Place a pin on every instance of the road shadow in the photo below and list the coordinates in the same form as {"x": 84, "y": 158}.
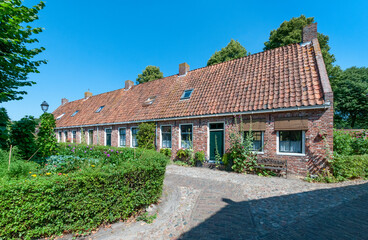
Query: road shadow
{"x": 334, "y": 213}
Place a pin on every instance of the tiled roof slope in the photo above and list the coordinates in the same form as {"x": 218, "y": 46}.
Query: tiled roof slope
{"x": 280, "y": 78}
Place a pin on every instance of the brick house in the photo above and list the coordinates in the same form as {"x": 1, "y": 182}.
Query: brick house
{"x": 284, "y": 91}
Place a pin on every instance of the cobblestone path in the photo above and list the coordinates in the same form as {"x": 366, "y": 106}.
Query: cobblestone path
{"x": 200, "y": 203}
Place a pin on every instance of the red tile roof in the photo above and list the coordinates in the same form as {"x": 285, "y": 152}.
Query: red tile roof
{"x": 280, "y": 78}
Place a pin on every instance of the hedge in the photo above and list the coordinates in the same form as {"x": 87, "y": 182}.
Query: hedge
{"x": 80, "y": 200}
{"x": 350, "y": 167}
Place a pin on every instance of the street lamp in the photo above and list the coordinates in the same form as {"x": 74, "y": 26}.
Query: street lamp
{"x": 44, "y": 106}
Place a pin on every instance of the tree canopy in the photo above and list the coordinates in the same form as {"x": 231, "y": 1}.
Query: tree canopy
{"x": 233, "y": 50}
{"x": 351, "y": 100}
{"x": 15, "y": 54}
{"x": 150, "y": 73}
{"x": 292, "y": 31}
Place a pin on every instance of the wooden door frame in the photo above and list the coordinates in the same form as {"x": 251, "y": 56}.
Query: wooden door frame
{"x": 208, "y": 137}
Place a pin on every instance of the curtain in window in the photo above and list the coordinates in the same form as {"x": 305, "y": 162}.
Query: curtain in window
{"x": 186, "y": 136}
{"x": 290, "y": 141}
{"x": 122, "y": 133}
{"x": 257, "y": 140}
{"x": 166, "y": 137}
{"x": 134, "y": 137}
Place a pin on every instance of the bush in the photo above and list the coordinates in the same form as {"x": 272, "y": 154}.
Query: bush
{"x": 81, "y": 200}
{"x": 22, "y": 135}
{"x": 350, "y": 143}
{"x": 46, "y": 139}
{"x": 350, "y": 167}
{"x": 166, "y": 152}
{"x": 18, "y": 168}
{"x": 146, "y": 135}
{"x": 185, "y": 155}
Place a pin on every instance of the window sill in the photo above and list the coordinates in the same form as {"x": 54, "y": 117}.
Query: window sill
{"x": 291, "y": 154}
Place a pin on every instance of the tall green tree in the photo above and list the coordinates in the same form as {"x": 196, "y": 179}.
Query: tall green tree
{"x": 351, "y": 100}
{"x": 146, "y": 135}
{"x": 233, "y": 50}
{"x": 22, "y": 134}
{"x": 150, "y": 73}
{"x": 292, "y": 31}
{"x": 16, "y": 35}
{"x": 4, "y": 128}
{"x": 46, "y": 139}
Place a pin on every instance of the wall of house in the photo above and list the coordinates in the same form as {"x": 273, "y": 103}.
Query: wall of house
{"x": 320, "y": 122}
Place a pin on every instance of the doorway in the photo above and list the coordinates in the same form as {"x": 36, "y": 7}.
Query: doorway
{"x": 216, "y": 140}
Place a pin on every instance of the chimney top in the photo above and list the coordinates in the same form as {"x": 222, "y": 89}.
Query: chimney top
{"x": 63, "y": 101}
{"x": 309, "y": 32}
{"x": 128, "y": 84}
{"x": 183, "y": 69}
{"x": 87, "y": 94}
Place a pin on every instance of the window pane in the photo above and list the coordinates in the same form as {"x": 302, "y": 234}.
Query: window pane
{"x": 186, "y": 136}
{"x": 290, "y": 141}
{"x": 134, "y": 137}
{"x": 122, "y": 132}
{"x": 74, "y": 136}
{"x": 166, "y": 136}
{"x": 257, "y": 140}
{"x": 216, "y": 126}
{"x": 90, "y": 132}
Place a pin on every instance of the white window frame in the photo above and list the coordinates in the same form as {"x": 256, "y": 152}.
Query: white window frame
{"x": 168, "y": 125}
{"x": 182, "y": 95}
{"x": 263, "y": 145}
{"x": 73, "y": 136}
{"x": 131, "y": 136}
{"x": 125, "y": 136}
{"x": 88, "y": 135}
{"x": 290, "y": 154}
{"x": 105, "y": 140}
{"x": 208, "y": 137}
{"x": 180, "y": 135}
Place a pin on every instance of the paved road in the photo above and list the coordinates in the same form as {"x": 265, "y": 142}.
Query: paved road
{"x": 205, "y": 204}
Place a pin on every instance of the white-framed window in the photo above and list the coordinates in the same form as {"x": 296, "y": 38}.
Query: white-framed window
{"x": 60, "y": 136}
{"x": 291, "y": 142}
{"x": 74, "y": 134}
{"x": 90, "y": 136}
{"x": 186, "y": 136}
{"x": 60, "y": 116}
{"x": 99, "y": 109}
{"x": 258, "y": 140}
{"x": 133, "y": 136}
{"x": 122, "y": 137}
{"x": 166, "y": 136}
{"x": 74, "y": 113}
{"x": 65, "y": 136}
{"x": 108, "y": 132}
{"x": 186, "y": 94}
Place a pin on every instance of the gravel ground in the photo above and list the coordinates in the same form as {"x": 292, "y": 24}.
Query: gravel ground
{"x": 200, "y": 203}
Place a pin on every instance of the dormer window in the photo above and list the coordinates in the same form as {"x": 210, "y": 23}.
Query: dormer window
{"x": 99, "y": 109}
{"x": 149, "y": 101}
{"x": 59, "y": 117}
{"x": 74, "y": 113}
{"x": 186, "y": 94}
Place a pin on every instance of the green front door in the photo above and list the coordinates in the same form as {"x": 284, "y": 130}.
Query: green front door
{"x": 216, "y": 139}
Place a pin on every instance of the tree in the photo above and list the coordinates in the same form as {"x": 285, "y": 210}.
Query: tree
{"x": 150, "y": 73}
{"x": 146, "y": 135}
{"x": 4, "y": 129}
{"x": 351, "y": 100}
{"x": 15, "y": 55}
{"x": 22, "y": 134}
{"x": 232, "y": 51}
{"x": 46, "y": 139}
{"x": 291, "y": 32}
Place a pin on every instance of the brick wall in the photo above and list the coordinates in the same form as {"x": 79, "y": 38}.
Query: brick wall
{"x": 319, "y": 121}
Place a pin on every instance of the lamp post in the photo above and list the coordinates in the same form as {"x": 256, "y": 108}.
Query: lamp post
{"x": 44, "y": 106}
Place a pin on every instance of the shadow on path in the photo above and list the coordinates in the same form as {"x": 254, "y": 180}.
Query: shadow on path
{"x": 308, "y": 215}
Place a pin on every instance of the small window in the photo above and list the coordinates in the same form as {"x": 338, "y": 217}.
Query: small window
{"x": 108, "y": 136}
{"x": 291, "y": 141}
{"x": 99, "y": 109}
{"x": 186, "y": 94}
{"x": 75, "y": 113}
{"x": 60, "y": 139}
{"x": 122, "y": 136}
{"x": 134, "y": 132}
{"x": 90, "y": 137}
{"x": 149, "y": 101}
{"x": 74, "y": 136}
{"x": 166, "y": 136}
{"x": 59, "y": 117}
{"x": 65, "y": 136}
{"x": 257, "y": 140}
{"x": 186, "y": 136}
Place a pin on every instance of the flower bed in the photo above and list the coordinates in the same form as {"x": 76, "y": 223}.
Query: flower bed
{"x": 80, "y": 191}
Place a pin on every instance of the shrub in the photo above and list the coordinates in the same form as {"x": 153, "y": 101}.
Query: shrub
{"x": 18, "y": 168}
{"x": 146, "y": 135}
{"x": 166, "y": 152}
{"x": 350, "y": 167}
{"x": 199, "y": 158}
{"x": 81, "y": 200}
{"x": 46, "y": 139}
{"x": 185, "y": 155}
{"x": 22, "y": 135}
{"x": 346, "y": 143}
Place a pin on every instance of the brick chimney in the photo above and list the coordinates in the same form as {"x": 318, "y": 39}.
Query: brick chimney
{"x": 87, "y": 94}
{"x": 183, "y": 69}
{"x": 128, "y": 84}
{"x": 309, "y": 32}
{"x": 63, "y": 101}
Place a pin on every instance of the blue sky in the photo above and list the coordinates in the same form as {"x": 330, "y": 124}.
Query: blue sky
{"x": 97, "y": 45}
